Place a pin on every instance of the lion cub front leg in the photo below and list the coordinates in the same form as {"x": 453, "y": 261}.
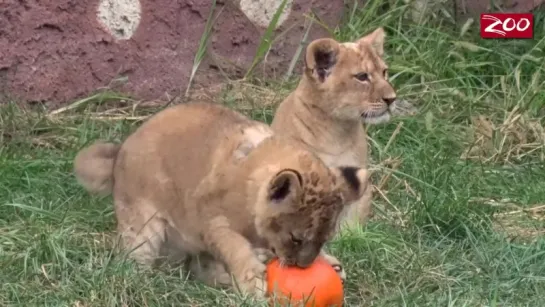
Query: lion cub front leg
{"x": 241, "y": 260}
{"x": 336, "y": 264}
{"x": 212, "y": 272}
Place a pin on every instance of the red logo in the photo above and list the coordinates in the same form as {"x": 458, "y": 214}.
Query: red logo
{"x": 503, "y": 25}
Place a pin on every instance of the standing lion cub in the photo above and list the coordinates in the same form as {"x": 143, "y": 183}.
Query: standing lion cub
{"x": 343, "y": 86}
{"x": 203, "y": 182}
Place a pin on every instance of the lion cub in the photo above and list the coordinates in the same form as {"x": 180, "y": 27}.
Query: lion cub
{"x": 203, "y": 182}
{"x": 343, "y": 85}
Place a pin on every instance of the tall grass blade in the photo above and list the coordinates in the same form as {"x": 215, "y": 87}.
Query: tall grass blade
{"x": 266, "y": 39}
{"x": 297, "y": 54}
{"x": 203, "y": 44}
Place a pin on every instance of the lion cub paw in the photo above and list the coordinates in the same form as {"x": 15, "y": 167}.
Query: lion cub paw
{"x": 337, "y": 266}
{"x": 264, "y": 255}
{"x": 252, "y": 279}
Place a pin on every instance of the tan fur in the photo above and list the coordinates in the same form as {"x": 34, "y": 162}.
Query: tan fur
{"x": 202, "y": 182}
{"x": 326, "y": 110}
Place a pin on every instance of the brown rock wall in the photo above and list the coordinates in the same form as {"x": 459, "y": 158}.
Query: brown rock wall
{"x": 57, "y": 51}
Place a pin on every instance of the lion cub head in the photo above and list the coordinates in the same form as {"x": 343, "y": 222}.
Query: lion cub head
{"x": 299, "y": 207}
{"x": 350, "y": 80}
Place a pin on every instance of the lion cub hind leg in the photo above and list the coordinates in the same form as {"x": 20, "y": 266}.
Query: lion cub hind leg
{"x": 209, "y": 270}
{"x": 143, "y": 243}
{"x": 239, "y": 257}
{"x": 147, "y": 237}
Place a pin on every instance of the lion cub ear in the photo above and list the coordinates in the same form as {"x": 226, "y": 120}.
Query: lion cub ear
{"x": 321, "y": 56}
{"x": 354, "y": 182}
{"x": 285, "y": 185}
{"x": 375, "y": 39}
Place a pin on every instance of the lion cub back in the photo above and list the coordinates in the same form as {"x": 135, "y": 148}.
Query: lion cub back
{"x": 162, "y": 163}
{"x": 184, "y": 143}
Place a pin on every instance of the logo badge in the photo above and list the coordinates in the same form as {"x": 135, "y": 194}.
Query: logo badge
{"x": 505, "y": 25}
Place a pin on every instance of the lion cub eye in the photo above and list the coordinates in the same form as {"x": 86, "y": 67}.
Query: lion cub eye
{"x": 385, "y": 73}
{"x": 294, "y": 240}
{"x": 362, "y": 76}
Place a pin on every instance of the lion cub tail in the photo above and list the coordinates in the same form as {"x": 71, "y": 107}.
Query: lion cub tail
{"x": 94, "y": 167}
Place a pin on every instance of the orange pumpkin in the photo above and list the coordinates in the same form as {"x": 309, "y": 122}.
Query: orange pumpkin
{"x": 319, "y": 283}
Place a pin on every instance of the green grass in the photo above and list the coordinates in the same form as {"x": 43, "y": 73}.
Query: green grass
{"x": 451, "y": 228}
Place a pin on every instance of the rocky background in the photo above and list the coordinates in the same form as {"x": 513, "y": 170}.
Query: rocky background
{"x": 56, "y": 51}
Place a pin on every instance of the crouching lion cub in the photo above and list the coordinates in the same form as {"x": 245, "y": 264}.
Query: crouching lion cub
{"x": 343, "y": 85}
{"x": 203, "y": 182}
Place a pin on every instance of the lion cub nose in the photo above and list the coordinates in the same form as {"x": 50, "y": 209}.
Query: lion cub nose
{"x": 389, "y": 101}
